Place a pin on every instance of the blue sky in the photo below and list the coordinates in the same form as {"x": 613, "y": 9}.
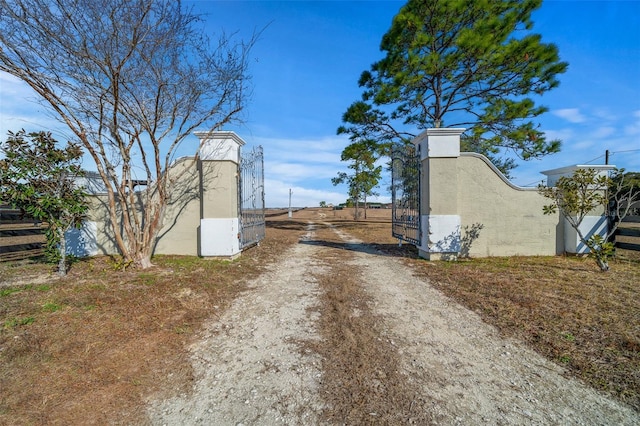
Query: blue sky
{"x": 306, "y": 65}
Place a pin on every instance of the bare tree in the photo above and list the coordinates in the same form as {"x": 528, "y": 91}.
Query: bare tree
{"x": 131, "y": 79}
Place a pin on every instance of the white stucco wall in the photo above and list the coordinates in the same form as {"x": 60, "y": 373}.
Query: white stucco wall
{"x": 511, "y": 218}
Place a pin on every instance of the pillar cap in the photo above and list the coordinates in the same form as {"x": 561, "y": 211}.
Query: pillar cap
{"x": 219, "y": 145}
{"x": 205, "y": 135}
{"x": 444, "y": 131}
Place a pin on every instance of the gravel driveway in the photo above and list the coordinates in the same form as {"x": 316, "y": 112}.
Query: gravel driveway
{"x": 251, "y": 369}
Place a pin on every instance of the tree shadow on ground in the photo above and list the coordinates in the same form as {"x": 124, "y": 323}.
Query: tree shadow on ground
{"x": 388, "y": 250}
{"x": 287, "y": 225}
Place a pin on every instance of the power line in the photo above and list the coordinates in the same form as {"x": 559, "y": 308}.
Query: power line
{"x": 536, "y": 183}
{"x": 610, "y": 153}
{"x": 627, "y": 150}
{"x": 598, "y": 157}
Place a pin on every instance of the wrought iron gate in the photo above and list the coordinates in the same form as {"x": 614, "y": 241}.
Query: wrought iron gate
{"x": 251, "y": 197}
{"x": 405, "y": 193}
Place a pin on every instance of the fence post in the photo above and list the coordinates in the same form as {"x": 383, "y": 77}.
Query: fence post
{"x": 440, "y": 220}
{"x": 219, "y": 214}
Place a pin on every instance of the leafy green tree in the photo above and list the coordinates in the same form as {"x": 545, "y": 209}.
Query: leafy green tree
{"x": 365, "y": 176}
{"x": 475, "y": 63}
{"x": 131, "y": 80}
{"x": 584, "y": 192}
{"x": 323, "y": 204}
{"x": 37, "y": 177}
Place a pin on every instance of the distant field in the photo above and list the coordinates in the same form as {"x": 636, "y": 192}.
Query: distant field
{"x": 327, "y": 212}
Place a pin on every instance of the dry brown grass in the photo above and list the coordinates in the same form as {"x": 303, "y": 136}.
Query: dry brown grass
{"x": 90, "y": 347}
{"x": 565, "y": 308}
{"x": 362, "y": 381}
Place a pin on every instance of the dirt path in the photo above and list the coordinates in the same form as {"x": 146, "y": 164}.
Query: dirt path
{"x": 248, "y": 365}
{"x": 252, "y": 368}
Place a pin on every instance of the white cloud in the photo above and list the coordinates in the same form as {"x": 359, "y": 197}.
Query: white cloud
{"x": 305, "y": 166}
{"x": 603, "y": 132}
{"x": 581, "y": 145}
{"x": 299, "y": 154}
{"x": 322, "y": 150}
{"x": 604, "y": 115}
{"x": 19, "y": 109}
{"x": 296, "y": 172}
{"x": 572, "y": 115}
{"x": 562, "y": 134}
{"x": 11, "y": 85}
{"x": 633, "y": 129}
{"x": 296, "y": 161}
{"x": 277, "y": 195}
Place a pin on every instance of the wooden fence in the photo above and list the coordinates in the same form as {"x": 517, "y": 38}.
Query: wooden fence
{"x": 628, "y": 234}
{"x": 21, "y": 237}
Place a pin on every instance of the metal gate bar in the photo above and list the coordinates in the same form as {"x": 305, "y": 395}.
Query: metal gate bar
{"x": 251, "y": 198}
{"x": 405, "y": 193}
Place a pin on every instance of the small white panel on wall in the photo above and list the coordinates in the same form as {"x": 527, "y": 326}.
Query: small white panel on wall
{"x": 591, "y": 225}
{"x": 443, "y": 146}
{"x": 218, "y": 151}
{"x": 82, "y": 242}
{"x": 219, "y": 237}
{"x": 441, "y": 233}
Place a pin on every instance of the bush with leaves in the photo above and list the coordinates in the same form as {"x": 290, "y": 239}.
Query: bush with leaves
{"x": 36, "y": 176}
{"x": 585, "y": 192}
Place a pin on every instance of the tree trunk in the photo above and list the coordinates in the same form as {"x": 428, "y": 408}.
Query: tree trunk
{"x": 603, "y": 264}
{"x": 365, "y": 207}
{"x": 143, "y": 261}
{"x": 62, "y": 263}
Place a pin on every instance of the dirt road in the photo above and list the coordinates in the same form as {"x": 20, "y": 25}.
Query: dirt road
{"x": 275, "y": 356}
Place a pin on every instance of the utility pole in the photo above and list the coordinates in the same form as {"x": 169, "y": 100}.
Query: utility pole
{"x": 290, "y": 212}
{"x": 606, "y": 157}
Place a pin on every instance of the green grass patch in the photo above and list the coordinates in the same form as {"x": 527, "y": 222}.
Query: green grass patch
{"x": 51, "y": 307}
{"x": 9, "y": 291}
{"x": 17, "y": 322}
{"x": 147, "y": 278}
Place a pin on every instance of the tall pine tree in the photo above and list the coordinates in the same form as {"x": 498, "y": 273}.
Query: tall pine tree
{"x": 460, "y": 63}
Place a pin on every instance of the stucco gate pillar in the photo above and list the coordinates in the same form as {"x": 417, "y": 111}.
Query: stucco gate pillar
{"x": 219, "y": 212}
{"x": 440, "y": 220}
